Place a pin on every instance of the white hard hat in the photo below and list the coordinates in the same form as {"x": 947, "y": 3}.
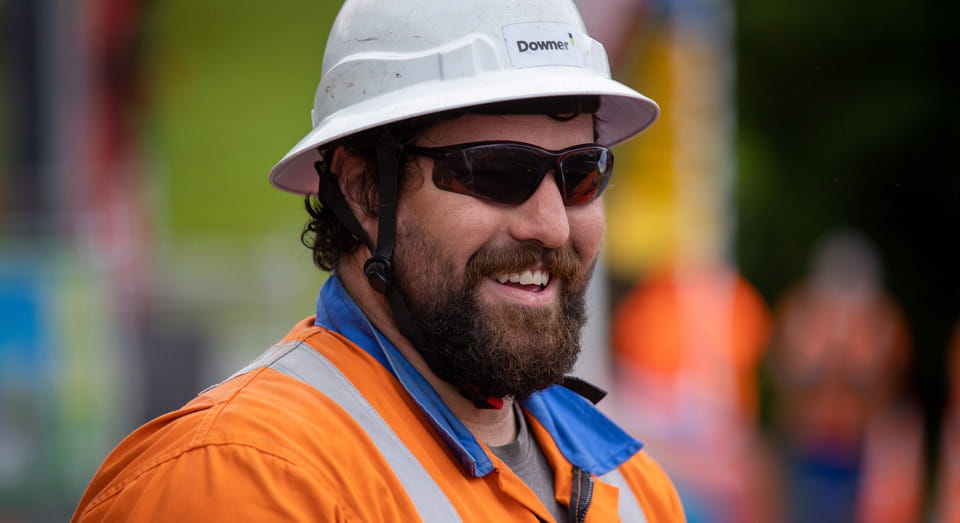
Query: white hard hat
{"x": 390, "y": 61}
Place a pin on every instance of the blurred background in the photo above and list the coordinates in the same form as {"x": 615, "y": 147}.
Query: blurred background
{"x": 778, "y": 311}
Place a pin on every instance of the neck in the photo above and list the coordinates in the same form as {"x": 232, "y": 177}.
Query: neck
{"x": 494, "y": 427}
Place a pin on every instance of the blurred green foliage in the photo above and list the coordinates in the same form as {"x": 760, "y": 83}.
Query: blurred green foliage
{"x": 229, "y": 87}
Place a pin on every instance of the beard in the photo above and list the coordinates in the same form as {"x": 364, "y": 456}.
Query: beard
{"x": 497, "y": 349}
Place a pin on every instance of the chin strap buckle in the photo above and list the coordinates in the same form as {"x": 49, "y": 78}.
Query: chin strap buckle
{"x": 377, "y": 270}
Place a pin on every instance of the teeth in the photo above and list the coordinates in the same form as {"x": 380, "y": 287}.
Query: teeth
{"x": 527, "y": 277}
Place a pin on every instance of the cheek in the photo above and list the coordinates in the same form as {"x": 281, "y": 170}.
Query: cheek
{"x": 587, "y": 224}
{"x": 457, "y": 224}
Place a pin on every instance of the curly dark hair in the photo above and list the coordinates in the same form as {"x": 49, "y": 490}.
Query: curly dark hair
{"x": 330, "y": 240}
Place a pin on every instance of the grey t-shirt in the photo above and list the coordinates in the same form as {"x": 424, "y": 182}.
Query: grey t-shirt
{"x": 526, "y": 459}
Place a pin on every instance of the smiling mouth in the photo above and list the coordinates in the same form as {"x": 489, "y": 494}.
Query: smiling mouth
{"x": 537, "y": 278}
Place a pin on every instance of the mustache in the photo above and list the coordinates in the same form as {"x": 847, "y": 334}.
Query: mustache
{"x": 563, "y": 263}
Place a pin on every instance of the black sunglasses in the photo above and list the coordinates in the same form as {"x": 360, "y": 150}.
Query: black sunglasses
{"x": 510, "y": 172}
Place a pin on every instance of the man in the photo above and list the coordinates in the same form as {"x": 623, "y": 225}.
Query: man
{"x": 458, "y": 153}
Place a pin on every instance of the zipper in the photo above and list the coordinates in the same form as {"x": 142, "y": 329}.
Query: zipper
{"x": 580, "y": 495}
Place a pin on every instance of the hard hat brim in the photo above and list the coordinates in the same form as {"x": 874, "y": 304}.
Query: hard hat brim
{"x": 623, "y": 112}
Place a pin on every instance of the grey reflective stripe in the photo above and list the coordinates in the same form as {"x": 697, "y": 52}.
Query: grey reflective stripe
{"x": 630, "y": 509}
{"x": 298, "y": 360}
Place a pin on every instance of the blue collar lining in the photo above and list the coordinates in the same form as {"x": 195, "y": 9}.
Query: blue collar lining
{"x": 585, "y": 436}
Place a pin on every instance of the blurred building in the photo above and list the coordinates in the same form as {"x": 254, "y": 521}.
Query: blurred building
{"x": 114, "y": 305}
{"x": 74, "y": 246}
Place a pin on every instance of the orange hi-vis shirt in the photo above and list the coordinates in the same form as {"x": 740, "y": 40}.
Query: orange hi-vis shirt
{"x": 267, "y": 446}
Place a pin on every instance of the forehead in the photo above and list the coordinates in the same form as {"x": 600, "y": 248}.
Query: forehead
{"x": 536, "y": 129}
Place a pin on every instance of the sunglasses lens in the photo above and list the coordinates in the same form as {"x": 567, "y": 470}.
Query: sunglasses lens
{"x": 510, "y": 174}
{"x": 500, "y": 173}
{"x": 585, "y": 175}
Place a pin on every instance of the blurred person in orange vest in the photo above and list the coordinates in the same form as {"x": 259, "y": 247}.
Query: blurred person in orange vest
{"x": 453, "y": 179}
{"x": 688, "y": 341}
{"x": 947, "y": 502}
{"x": 838, "y": 365}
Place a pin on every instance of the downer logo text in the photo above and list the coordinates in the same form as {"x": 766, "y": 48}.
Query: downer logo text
{"x": 542, "y": 45}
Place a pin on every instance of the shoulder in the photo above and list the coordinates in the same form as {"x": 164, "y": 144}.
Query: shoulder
{"x": 260, "y": 443}
{"x": 226, "y": 449}
{"x": 216, "y": 482}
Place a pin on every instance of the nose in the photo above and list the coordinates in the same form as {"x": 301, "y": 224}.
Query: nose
{"x": 543, "y": 217}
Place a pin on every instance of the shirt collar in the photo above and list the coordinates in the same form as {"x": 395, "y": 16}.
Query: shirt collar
{"x": 585, "y": 436}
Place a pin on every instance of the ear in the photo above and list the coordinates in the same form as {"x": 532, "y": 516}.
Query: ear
{"x": 349, "y": 170}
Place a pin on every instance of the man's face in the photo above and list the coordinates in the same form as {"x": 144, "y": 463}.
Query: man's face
{"x": 498, "y": 290}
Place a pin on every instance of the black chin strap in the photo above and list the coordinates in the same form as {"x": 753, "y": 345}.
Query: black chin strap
{"x": 377, "y": 268}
